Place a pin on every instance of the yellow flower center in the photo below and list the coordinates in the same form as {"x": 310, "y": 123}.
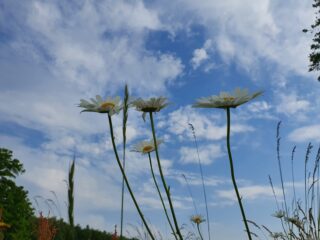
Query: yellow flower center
{"x": 228, "y": 99}
{"x": 196, "y": 219}
{"x": 147, "y": 149}
{"x": 107, "y": 105}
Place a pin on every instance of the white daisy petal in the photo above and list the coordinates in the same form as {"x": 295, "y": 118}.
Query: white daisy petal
{"x": 145, "y": 147}
{"x": 150, "y": 105}
{"x": 227, "y": 100}
{"x": 110, "y": 105}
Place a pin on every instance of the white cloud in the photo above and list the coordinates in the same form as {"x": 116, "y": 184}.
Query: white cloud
{"x": 249, "y": 193}
{"x": 257, "y": 107}
{"x": 206, "y": 127}
{"x": 194, "y": 179}
{"x": 290, "y": 104}
{"x": 207, "y": 154}
{"x": 226, "y": 47}
{"x": 248, "y": 32}
{"x": 306, "y": 133}
{"x": 200, "y": 55}
{"x": 110, "y": 52}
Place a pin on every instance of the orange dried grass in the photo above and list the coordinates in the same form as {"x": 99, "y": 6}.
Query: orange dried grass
{"x": 46, "y": 231}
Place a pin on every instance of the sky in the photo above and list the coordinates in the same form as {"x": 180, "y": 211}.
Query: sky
{"x": 54, "y": 53}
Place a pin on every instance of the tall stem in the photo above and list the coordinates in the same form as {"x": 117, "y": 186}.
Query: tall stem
{"x": 71, "y": 198}
{"x": 124, "y": 130}
{"x": 161, "y": 198}
{"x": 198, "y": 227}
{"x": 126, "y": 180}
{"x": 163, "y": 180}
{"x": 122, "y": 197}
{"x": 233, "y": 177}
{"x": 202, "y": 178}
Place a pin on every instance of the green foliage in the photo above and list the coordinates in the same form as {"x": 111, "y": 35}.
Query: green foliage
{"x": 314, "y": 56}
{"x": 17, "y": 210}
{"x": 9, "y": 168}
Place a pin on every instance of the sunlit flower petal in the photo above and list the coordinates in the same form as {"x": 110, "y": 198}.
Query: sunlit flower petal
{"x": 279, "y": 214}
{"x": 227, "y": 100}
{"x": 150, "y": 105}
{"x": 110, "y": 105}
{"x": 145, "y": 147}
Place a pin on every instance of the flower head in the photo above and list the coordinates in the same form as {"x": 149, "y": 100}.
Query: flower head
{"x": 227, "y": 100}
{"x": 279, "y": 214}
{"x": 295, "y": 220}
{"x": 145, "y": 147}
{"x": 110, "y": 105}
{"x": 197, "y": 219}
{"x": 150, "y": 105}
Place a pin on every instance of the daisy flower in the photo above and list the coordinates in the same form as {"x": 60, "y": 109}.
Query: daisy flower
{"x": 227, "y": 100}
{"x": 279, "y": 214}
{"x": 197, "y": 219}
{"x": 145, "y": 147}
{"x": 150, "y": 105}
{"x": 110, "y": 105}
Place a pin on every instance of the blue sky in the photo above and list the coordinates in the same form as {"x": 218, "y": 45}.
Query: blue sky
{"x": 52, "y": 54}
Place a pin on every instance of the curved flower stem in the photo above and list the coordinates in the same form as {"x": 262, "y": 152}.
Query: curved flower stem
{"x": 198, "y": 227}
{"x": 233, "y": 177}
{"x": 164, "y": 206}
{"x": 163, "y": 180}
{"x": 126, "y": 180}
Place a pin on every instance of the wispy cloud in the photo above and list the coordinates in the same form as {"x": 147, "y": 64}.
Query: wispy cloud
{"x": 249, "y": 193}
{"x": 207, "y": 127}
{"x": 200, "y": 55}
{"x": 291, "y": 104}
{"x": 306, "y": 133}
{"x": 207, "y": 154}
{"x": 250, "y": 33}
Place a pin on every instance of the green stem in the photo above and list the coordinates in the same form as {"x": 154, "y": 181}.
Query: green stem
{"x": 198, "y": 227}
{"x": 163, "y": 180}
{"x": 126, "y": 180}
{"x": 71, "y": 198}
{"x": 233, "y": 177}
{"x": 122, "y": 197}
{"x": 203, "y": 185}
{"x": 163, "y": 205}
